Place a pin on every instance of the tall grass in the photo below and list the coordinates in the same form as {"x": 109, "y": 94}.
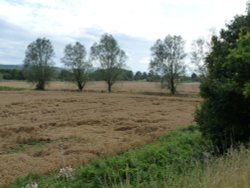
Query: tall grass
{"x": 229, "y": 171}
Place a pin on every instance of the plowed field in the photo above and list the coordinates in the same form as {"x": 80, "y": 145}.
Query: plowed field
{"x": 45, "y": 131}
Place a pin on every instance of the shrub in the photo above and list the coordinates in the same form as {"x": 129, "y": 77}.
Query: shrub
{"x": 224, "y": 115}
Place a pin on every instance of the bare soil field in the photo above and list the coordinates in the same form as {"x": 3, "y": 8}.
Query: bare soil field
{"x": 45, "y": 131}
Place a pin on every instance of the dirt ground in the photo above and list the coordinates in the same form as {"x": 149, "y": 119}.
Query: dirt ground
{"x": 45, "y": 131}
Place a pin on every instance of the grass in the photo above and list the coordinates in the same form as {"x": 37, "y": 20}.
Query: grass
{"x": 229, "y": 171}
{"x": 153, "y": 164}
{"x": 7, "y": 88}
{"x": 22, "y": 147}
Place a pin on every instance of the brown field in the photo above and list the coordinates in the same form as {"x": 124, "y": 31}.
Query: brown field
{"x": 44, "y": 131}
{"x": 125, "y": 87}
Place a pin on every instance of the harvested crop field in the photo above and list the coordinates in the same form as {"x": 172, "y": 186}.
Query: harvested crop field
{"x": 45, "y": 131}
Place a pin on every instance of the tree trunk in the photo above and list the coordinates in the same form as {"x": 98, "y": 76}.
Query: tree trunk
{"x": 172, "y": 86}
{"x": 109, "y": 86}
{"x": 80, "y": 86}
{"x": 40, "y": 85}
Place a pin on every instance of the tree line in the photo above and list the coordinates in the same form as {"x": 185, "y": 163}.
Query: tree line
{"x": 61, "y": 74}
{"x": 167, "y": 63}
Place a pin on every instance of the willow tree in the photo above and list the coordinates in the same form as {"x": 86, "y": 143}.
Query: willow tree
{"x": 111, "y": 58}
{"x": 38, "y": 63}
{"x": 75, "y": 59}
{"x": 167, "y": 60}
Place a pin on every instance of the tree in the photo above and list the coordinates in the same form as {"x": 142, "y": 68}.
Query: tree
{"x": 127, "y": 75}
{"x": 153, "y": 77}
{"x": 224, "y": 115}
{"x": 194, "y": 77}
{"x": 75, "y": 59}
{"x": 111, "y": 57}
{"x": 65, "y": 75}
{"x": 38, "y": 64}
{"x": 200, "y": 48}
{"x": 144, "y": 76}
{"x": 167, "y": 60}
{"x": 138, "y": 75}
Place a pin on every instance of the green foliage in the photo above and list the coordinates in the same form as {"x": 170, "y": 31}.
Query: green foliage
{"x": 11, "y": 74}
{"x": 65, "y": 75}
{"x": 167, "y": 60}
{"x": 194, "y": 77}
{"x": 126, "y": 75}
{"x": 224, "y": 115}
{"x": 6, "y": 88}
{"x": 161, "y": 161}
{"x": 140, "y": 75}
{"x": 38, "y": 63}
{"x": 111, "y": 58}
{"x": 75, "y": 59}
{"x": 153, "y": 77}
{"x": 1, "y": 77}
{"x": 246, "y": 91}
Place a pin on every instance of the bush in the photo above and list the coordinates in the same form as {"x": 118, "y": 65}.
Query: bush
{"x": 224, "y": 115}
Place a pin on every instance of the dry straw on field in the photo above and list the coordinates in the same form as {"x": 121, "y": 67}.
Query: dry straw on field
{"x": 46, "y": 131}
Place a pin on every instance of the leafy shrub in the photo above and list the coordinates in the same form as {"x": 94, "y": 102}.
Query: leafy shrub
{"x": 224, "y": 115}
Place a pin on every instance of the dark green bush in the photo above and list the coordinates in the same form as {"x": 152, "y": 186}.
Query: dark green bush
{"x": 224, "y": 116}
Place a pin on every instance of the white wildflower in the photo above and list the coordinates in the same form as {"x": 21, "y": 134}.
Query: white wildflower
{"x": 66, "y": 173}
{"x": 31, "y": 185}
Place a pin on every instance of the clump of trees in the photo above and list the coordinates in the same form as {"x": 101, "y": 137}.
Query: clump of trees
{"x": 38, "y": 63}
{"x": 224, "y": 115}
{"x": 167, "y": 60}
{"x": 166, "y": 64}
{"x": 14, "y": 74}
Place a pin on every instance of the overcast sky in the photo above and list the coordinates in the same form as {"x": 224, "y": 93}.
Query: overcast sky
{"x": 136, "y": 24}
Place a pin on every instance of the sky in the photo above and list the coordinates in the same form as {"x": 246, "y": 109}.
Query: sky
{"x": 135, "y": 24}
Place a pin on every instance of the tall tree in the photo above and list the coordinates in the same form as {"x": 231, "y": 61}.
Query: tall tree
{"x": 38, "y": 64}
{"x": 75, "y": 59}
{"x": 111, "y": 57}
{"x": 167, "y": 60}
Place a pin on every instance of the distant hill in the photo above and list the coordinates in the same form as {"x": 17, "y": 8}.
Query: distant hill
{"x": 10, "y": 67}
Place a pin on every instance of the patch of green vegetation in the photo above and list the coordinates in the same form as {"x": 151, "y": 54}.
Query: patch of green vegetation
{"x": 161, "y": 161}
{"x": 7, "y": 88}
{"x": 23, "y": 147}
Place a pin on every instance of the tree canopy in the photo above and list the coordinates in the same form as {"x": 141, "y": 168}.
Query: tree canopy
{"x": 38, "y": 64}
{"x": 111, "y": 58}
{"x": 224, "y": 115}
{"x": 75, "y": 59}
{"x": 167, "y": 60}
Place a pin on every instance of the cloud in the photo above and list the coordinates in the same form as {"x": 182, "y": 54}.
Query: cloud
{"x": 136, "y": 24}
